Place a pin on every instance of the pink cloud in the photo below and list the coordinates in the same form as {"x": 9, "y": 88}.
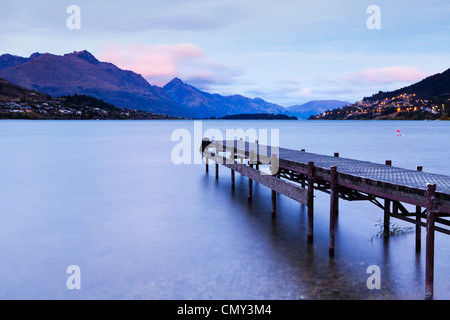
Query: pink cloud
{"x": 157, "y": 63}
{"x": 385, "y": 75}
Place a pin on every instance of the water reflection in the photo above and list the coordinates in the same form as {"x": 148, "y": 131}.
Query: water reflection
{"x": 305, "y": 269}
{"x": 105, "y": 196}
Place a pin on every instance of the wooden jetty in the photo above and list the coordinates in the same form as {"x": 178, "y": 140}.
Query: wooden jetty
{"x": 297, "y": 174}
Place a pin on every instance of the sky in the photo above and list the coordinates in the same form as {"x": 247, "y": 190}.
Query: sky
{"x": 284, "y": 51}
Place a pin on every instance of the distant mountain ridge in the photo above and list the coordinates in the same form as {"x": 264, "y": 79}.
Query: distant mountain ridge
{"x": 80, "y": 72}
{"x": 430, "y": 87}
{"x": 201, "y": 103}
{"x": 8, "y": 60}
{"x": 304, "y": 111}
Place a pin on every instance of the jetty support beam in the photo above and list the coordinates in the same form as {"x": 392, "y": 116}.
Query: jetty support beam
{"x": 310, "y": 202}
{"x": 274, "y": 168}
{"x": 333, "y": 209}
{"x": 429, "y": 257}
{"x": 418, "y": 220}
{"x": 272, "y": 182}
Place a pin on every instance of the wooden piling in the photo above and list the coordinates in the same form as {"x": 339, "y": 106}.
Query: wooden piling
{"x": 251, "y": 159}
{"x": 387, "y": 218}
{"x": 233, "y": 174}
{"x": 418, "y": 220}
{"x": 387, "y": 212}
{"x": 274, "y": 170}
{"x": 429, "y": 258}
{"x": 250, "y": 188}
{"x": 217, "y": 171}
{"x": 274, "y": 203}
{"x": 333, "y": 209}
{"x": 310, "y": 201}
{"x": 232, "y": 180}
{"x": 256, "y": 155}
{"x": 418, "y": 229}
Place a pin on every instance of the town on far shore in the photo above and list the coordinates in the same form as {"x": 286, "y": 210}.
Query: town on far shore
{"x": 72, "y": 107}
{"x": 405, "y": 106}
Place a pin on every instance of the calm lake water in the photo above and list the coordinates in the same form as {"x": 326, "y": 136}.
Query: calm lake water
{"x": 106, "y": 196}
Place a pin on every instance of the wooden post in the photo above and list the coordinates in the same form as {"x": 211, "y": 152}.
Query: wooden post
{"x": 274, "y": 204}
{"x": 232, "y": 154}
{"x": 256, "y": 156}
{"x": 387, "y": 211}
{"x": 274, "y": 171}
{"x": 310, "y": 201}
{"x": 336, "y": 201}
{"x": 418, "y": 229}
{"x": 418, "y": 219}
{"x": 250, "y": 188}
{"x": 333, "y": 201}
{"x": 429, "y": 258}
{"x": 232, "y": 180}
{"x": 251, "y": 157}
{"x": 217, "y": 170}
{"x": 207, "y": 164}
{"x": 387, "y": 217}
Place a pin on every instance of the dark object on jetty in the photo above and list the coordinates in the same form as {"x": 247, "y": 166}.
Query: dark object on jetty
{"x": 296, "y": 174}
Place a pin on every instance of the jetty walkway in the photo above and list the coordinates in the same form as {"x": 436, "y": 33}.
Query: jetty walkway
{"x": 297, "y": 174}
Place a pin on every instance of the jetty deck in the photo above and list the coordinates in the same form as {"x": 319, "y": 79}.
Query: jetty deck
{"x": 297, "y": 174}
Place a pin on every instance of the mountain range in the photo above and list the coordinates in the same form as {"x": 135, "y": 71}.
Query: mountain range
{"x": 201, "y": 103}
{"x": 428, "y": 99}
{"x": 430, "y": 87}
{"x": 81, "y": 73}
{"x": 304, "y": 111}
